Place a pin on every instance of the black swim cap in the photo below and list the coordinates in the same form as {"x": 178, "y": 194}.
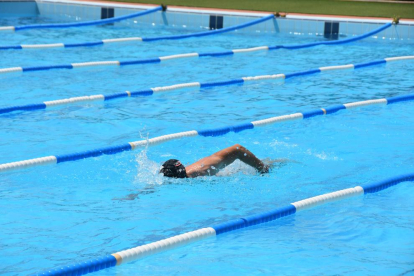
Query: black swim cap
{"x": 173, "y": 168}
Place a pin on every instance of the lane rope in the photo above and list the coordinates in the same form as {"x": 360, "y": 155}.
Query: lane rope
{"x": 146, "y": 250}
{"x": 142, "y": 39}
{"x": 205, "y": 133}
{"x": 80, "y": 24}
{"x": 152, "y": 91}
{"x": 191, "y": 55}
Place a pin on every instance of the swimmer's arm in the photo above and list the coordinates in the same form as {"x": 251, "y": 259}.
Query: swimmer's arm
{"x": 212, "y": 164}
{"x": 230, "y": 154}
{"x": 207, "y": 166}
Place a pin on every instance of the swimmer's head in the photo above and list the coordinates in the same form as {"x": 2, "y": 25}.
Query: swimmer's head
{"x": 173, "y": 168}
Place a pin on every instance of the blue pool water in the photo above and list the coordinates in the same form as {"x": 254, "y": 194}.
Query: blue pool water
{"x": 57, "y": 214}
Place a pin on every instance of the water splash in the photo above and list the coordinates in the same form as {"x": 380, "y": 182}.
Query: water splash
{"x": 276, "y": 143}
{"x": 323, "y": 155}
{"x": 237, "y": 167}
{"x": 147, "y": 170}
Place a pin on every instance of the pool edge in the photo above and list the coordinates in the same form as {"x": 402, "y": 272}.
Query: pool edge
{"x": 364, "y": 19}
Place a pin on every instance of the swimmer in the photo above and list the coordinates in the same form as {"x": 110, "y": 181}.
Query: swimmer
{"x": 212, "y": 164}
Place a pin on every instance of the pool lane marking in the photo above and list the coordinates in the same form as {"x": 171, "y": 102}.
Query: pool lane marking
{"x": 7, "y": 28}
{"x": 55, "y": 45}
{"x": 190, "y": 55}
{"x": 149, "y": 249}
{"x": 93, "y": 63}
{"x": 205, "y": 133}
{"x": 141, "y": 39}
{"x": 124, "y": 39}
{"x": 151, "y": 91}
{"x": 81, "y": 24}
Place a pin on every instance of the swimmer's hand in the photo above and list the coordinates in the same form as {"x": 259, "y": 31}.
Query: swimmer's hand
{"x": 264, "y": 169}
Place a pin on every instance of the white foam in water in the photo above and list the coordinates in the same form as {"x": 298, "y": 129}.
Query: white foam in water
{"x": 282, "y": 144}
{"x": 236, "y": 167}
{"x": 147, "y": 170}
{"x": 323, "y": 155}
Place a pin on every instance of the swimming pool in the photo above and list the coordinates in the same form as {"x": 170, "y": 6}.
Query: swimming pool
{"x": 58, "y": 214}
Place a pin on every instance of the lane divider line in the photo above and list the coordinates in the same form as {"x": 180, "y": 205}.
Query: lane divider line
{"x": 142, "y": 39}
{"x": 151, "y": 91}
{"x": 205, "y": 133}
{"x": 7, "y": 28}
{"x": 80, "y": 24}
{"x": 146, "y": 250}
{"x": 189, "y": 55}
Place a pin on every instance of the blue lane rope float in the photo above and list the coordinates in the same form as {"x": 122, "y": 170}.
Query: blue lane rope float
{"x": 151, "y": 91}
{"x": 191, "y": 55}
{"x": 142, "y": 39}
{"x": 80, "y": 24}
{"x": 205, "y": 133}
{"x": 146, "y": 250}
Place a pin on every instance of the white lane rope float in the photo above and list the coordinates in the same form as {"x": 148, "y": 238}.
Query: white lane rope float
{"x": 169, "y": 88}
{"x": 56, "y": 159}
{"x": 163, "y": 59}
{"x": 146, "y": 250}
{"x": 141, "y": 39}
